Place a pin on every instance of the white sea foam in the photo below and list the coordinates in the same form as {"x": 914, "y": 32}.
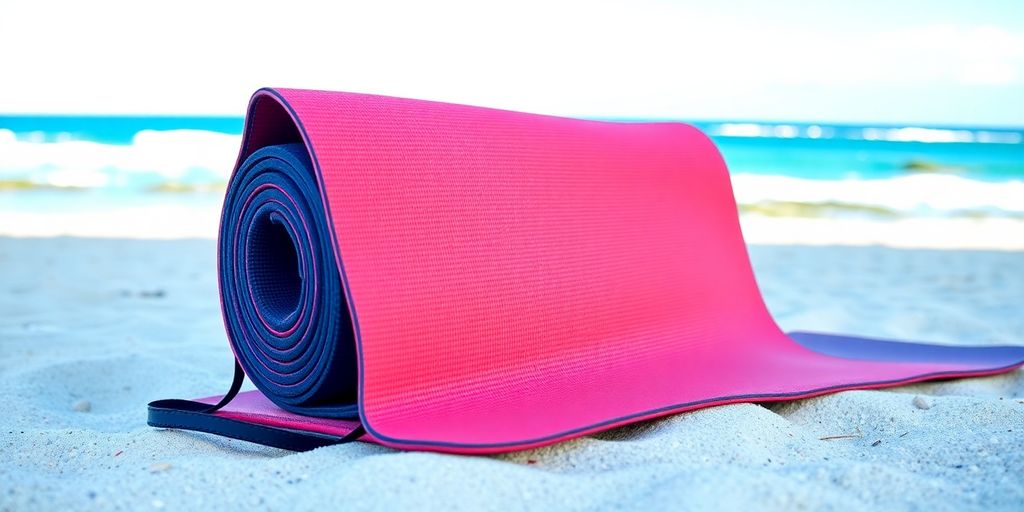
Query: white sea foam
{"x": 162, "y": 155}
{"x": 742, "y": 130}
{"x": 911, "y": 194}
{"x": 198, "y": 156}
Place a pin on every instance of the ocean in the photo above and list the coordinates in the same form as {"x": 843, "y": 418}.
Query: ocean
{"x": 72, "y": 163}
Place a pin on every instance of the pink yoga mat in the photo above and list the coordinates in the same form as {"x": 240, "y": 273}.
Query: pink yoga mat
{"x": 444, "y": 277}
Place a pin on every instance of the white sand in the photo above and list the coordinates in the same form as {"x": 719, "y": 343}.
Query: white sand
{"x": 117, "y": 323}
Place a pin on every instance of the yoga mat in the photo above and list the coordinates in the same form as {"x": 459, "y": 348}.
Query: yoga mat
{"x": 444, "y": 277}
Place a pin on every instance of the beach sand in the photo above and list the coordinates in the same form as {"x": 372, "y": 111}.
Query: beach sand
{"x": 92, "y": 329}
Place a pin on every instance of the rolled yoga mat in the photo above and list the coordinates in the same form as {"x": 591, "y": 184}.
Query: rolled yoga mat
{"x": 452, "y": 278}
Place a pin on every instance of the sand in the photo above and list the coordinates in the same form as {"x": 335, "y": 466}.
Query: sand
{"x": 92, "y": 329}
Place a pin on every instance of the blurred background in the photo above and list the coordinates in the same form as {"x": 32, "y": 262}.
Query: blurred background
{"x": 876, "y": 122}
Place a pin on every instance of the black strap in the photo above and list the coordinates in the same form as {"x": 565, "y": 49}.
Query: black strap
{"x": 198, "y": 416}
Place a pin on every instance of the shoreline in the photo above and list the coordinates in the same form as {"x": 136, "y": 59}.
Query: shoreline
{"x": 169, "y": 221}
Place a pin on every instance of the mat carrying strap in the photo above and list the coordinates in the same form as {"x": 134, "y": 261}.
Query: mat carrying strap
{"x": 191, "y": 415}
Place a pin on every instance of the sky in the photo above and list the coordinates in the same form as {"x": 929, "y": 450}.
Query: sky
{"x": 909, "y": 62}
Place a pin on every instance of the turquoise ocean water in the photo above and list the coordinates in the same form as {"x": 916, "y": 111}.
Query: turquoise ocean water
{"x": 86, "y": 162}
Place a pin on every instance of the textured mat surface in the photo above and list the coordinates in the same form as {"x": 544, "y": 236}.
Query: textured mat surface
{"x": 464, "y": 279}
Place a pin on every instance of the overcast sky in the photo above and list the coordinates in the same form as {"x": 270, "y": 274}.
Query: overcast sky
{"x": 880, "y": 61}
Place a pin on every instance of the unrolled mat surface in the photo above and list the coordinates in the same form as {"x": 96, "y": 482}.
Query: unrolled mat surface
{"x": 444, "y": 277}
